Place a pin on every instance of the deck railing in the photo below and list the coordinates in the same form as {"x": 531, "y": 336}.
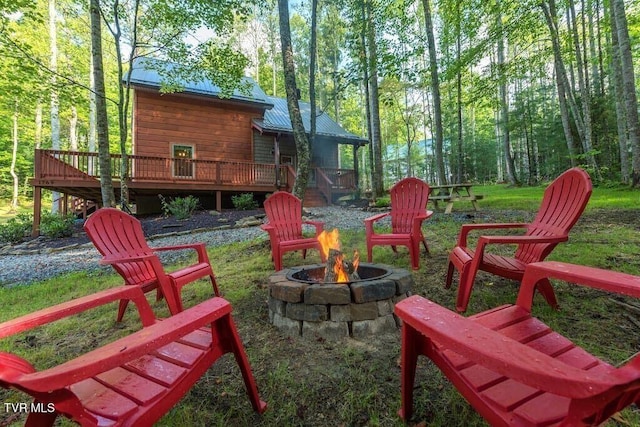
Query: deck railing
{"x": 77, "y": 165}
{"x": 59, "y": 164}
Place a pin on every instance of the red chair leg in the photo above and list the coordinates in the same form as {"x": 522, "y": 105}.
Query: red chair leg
{"x": 546, "y": 290}
{"x": 226, "y": 329}
{"x": 408, "y": 362}
{"x": 122, "y": 307}
{"x": 215, "y": 285}
{"x": 447, "y": 283}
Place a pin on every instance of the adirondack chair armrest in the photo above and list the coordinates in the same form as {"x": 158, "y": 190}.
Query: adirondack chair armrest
{"x": 119, "y": 258}
{"x": 466, "y": 228}
{"x": 418, "y": 219}
{"x": 199, "y": 247}
{"x": 271, "y": 229}
{"x": 483, "y": 241}
{"x": 79, "y": 305}
{"x": 513, "y": 360}
{"x": 126, "y": 349}
{"x": 606, "y": 280}
{"x": 319, "y": 225}
{"x": 368, "y": 222}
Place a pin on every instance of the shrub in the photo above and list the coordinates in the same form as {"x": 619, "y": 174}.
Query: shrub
{"x": 55, "y": 226}
{"x": 179, "y": 207}
{"x": 16, "y": 228}
{"x": 244, "y": 202}
{"x": 383, "y": 202}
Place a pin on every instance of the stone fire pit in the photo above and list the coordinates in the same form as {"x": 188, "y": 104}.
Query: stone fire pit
{"x": 299, "y": 305}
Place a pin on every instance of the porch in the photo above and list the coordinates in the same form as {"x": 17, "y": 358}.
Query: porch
{"x": 77, "y": 175}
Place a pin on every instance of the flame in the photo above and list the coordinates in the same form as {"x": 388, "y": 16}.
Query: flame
{"x": 331, "y": 240}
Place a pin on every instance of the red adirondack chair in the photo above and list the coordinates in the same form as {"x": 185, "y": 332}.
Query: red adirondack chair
{"x": 409, "y": 198}
{"x": 132, "y": 381}
{"x": 512, "y": 368}
{"x": 563, "y": 202}
{"x": 284, "y": 216}
{"x": 118, "y": 236}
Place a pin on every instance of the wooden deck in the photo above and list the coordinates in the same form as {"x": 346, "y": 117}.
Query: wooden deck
{"x": 78, "y": 174}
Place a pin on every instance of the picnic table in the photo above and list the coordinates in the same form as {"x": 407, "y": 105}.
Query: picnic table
{"x": 451, "y": 193}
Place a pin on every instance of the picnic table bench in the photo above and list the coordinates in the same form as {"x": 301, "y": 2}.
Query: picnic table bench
{"x": 451, "y": 193}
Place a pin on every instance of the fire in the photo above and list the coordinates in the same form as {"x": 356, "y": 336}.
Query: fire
{"x": 330, "y": 246}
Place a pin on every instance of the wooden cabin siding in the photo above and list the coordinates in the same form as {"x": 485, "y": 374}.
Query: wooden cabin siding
{"x": 217, "y": 132}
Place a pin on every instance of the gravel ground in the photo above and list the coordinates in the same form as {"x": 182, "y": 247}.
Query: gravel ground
{"x": 23, "y": 268}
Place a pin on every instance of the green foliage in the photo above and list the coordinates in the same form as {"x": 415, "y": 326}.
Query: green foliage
{"x": 179, "y": 207}
{"x": 244, "y": 202}
{"x": 56, "y": 226}
{"x": 383, "y": 202}
{"x": 16, "y": 228}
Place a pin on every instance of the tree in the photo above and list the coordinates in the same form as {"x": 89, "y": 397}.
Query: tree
{"x": 102, "y": 121}
{"x": 299, "y": 134}
{"x": 435, "y": 91}
{"x": 628, "y": 81}
{"x": 504, "y": 107}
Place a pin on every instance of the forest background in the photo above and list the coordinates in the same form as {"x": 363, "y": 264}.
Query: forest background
{"x": 446, "y": 90}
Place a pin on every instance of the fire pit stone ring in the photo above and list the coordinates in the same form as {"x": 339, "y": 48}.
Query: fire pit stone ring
{"x": 301, "y": 305}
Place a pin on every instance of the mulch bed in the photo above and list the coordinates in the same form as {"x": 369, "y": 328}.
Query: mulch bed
{"x": 153, "y": 225}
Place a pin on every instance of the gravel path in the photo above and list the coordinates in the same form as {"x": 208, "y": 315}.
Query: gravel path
{"x": 26, "y": 268}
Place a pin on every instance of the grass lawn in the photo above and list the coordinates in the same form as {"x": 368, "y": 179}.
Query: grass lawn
{"x": 353, "y": 383}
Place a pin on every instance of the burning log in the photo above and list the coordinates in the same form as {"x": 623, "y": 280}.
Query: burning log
{"x": 339, "y": 270}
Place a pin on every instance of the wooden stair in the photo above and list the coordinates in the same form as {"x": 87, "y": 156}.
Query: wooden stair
{"x": 313, "y": 198}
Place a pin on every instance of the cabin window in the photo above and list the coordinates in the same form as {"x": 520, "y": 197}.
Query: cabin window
{"x": 182, "y": 161}
{"x": 286, "y": 160}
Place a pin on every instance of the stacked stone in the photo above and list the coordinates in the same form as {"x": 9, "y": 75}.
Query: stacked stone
{"x": 334, "y": 311}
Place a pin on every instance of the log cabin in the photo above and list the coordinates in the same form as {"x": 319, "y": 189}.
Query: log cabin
{"x": 197, "y": 142}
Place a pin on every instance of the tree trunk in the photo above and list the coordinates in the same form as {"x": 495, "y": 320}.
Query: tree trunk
{"x": 376, "y": 138}
{"x": 38, "y": 125}
{"x": 312, "y": 74}
{"x": 504, "y": 107}
{"x": 91, "y": 143}
{"x": 583, "y": 85}
{"x": 435, "y": 90}
{"x": 631, "y": 100}
{"x": 102, "y": 122}
{"x": 561, "y": 73}
{"x": 299, "y": 134}
{"x": 618, "y": 93}
{"x": 14, "y": 156}
{"x": 54, "y": 113}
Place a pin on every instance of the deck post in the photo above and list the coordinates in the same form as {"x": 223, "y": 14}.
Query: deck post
{"x": 219, "y": 201}
{"x": 37, "y": 206}
{"x": 356, "y": 167}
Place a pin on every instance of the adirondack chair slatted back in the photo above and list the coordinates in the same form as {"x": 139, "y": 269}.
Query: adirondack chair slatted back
{"x": 284, "y": 212}
{"x": 409, "y": 198}
{"x": 563, "y": 202}
{"x": 114, "y": 232}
